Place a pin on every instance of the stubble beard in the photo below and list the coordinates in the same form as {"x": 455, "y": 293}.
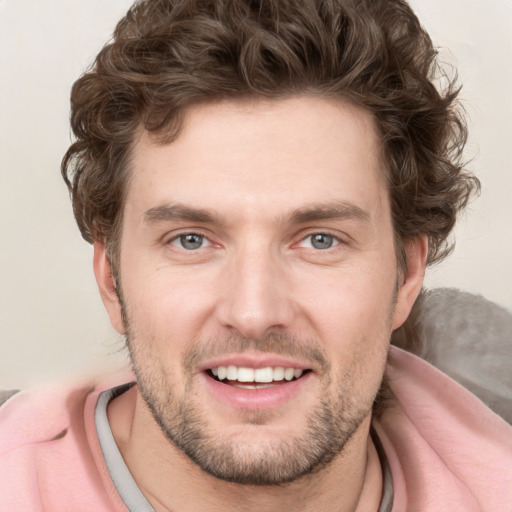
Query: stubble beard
{"x": 329, "y": 425}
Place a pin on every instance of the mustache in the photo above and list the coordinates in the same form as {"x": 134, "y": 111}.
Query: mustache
{"x": 283, "y": 344}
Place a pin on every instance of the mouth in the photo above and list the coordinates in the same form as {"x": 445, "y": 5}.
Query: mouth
{"x": 250, "y": 382}
{"x": 256, "y": 378}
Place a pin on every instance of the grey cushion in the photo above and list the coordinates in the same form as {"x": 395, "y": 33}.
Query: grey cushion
{"x": 469, "y": 338}
{"x": 5, "y": 395}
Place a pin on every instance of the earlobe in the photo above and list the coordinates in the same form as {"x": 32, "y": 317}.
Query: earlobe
{"x": 107, "y": 286}
{"x": 416, "y": 250}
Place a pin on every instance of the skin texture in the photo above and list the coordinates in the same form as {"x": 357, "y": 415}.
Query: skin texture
{"x": 255, "y": 181}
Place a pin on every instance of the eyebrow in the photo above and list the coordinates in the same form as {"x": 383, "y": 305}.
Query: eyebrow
{"x": 179, "y": 212}
{"x": 337, "y": 210}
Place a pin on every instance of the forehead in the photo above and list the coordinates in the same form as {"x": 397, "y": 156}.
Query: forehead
{"x": 261, "y": 155}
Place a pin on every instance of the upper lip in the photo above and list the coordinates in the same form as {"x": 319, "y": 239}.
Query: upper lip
{"x": 255, "y": 362}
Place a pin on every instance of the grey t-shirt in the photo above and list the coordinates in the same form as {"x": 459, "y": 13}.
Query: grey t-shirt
{"x": 132, "y": 495}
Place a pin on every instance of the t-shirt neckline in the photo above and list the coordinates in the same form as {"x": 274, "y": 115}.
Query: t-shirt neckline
{"x": 129, "y": 491}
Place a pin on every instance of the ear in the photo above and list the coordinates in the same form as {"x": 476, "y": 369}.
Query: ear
{"x": 416, "y": 251}
{"x": 107, "y": 286}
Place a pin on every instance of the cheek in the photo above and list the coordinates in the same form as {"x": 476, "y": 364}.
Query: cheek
{"x": 349, "y": 301}
{"x": 352, "y": 317}
{"x": 168, "y": 307}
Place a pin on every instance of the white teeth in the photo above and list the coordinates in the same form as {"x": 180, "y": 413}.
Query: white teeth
{"x": 232, "y": 373}
{"x": 260, "y": 375}
{"x": 263, "y": 375}
{"x": 289, "y": 373}
{"x": 245, "y": 375}
{"x": 278, "y": 373}
{"x": 222, "y": 372}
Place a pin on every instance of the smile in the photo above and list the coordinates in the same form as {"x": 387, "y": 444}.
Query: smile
{"x": 255, "y": 378}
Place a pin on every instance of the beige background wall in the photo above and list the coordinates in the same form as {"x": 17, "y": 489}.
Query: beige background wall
{"x": 51, "y": 319}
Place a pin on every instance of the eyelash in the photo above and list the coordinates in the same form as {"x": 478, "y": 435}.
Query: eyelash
{"x": 336, "y": 241}
{"x": 178, "y": 239}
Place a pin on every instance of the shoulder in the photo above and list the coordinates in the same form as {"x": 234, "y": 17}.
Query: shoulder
{"x": 49, "y": 449}
{"x": 445, "y": 446}
{"x": 38, "y": 415}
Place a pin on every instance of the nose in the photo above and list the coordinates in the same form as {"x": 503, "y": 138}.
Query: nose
{"x": 255, "y": 294}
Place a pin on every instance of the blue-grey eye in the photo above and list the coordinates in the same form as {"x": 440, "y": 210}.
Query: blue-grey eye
{"x": 319, "y": 241}
{"x": 191, "y": 241}
{"x": 322, "y": 241}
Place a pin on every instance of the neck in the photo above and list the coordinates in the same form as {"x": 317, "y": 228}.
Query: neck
{"x": 352, "y": 482}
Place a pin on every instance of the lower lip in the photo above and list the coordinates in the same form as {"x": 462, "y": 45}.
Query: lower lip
{"x": 256, "y": 399}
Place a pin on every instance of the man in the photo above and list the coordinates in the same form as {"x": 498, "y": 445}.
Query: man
{"x": 264, "y": 184}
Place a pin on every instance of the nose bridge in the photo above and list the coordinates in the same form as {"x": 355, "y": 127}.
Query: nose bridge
{"x": 255, "y": 295}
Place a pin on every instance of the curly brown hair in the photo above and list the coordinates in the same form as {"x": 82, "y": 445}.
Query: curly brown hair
{"x": 166, "y": 55}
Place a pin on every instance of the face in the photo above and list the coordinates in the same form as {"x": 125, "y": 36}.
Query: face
{"x": 259, "y": 284}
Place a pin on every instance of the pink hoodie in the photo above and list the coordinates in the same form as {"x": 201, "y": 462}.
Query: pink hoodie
{"x": 447, "y": 451}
